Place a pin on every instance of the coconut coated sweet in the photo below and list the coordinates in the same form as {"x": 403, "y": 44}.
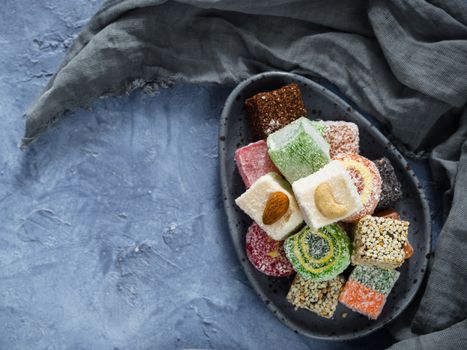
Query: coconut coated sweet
{"x": 266, "y": 254}
{"x": 298, "y": 149}
{"x": 253, "y": 162}
{"x": 366, "y": 178}
{"x": 327, "y": 196}
{"x": 253, "y": 203}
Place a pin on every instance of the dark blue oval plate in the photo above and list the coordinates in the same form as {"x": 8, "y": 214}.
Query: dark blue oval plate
{"x": 323, "y": 104}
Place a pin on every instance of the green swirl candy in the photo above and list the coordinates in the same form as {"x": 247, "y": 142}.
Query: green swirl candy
{"x": 319, "y": 255}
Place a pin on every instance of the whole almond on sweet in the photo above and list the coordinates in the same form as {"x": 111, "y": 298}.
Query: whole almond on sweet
{"x": 276, "y": 206}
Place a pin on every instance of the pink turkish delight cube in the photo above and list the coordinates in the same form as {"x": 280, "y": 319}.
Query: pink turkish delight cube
{"x": 253, "y": 162}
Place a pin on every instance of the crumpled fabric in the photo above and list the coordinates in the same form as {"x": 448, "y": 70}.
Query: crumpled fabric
{"x": 405, "y": 62}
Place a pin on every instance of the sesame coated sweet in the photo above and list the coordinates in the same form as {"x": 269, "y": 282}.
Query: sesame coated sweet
{"x": 391, "y": 191}
{"x": 380, "y": 242}
{"x": 318, "y": 297}
{"x": 392, "y": 214}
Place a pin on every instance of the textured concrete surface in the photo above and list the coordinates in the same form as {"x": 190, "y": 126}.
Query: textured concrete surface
{"x": 112, "y": 231}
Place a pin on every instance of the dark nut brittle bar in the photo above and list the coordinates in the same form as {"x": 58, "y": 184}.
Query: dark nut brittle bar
{"x": 270, "y": 111}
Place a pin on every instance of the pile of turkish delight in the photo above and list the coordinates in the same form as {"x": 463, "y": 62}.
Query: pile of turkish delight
{"x": 320, "y": 210}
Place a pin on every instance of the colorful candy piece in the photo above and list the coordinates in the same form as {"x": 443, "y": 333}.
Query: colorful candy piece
{"x": 391, "y": 214}
{"x": 298, "y": 149}
{"x": 391, "y": 191}
{"x": 266, "y": 254}
{"x": 319, "y": 125}
{"x": 319, "y": 255}
{"x": 408, "y": 250}
{"x": 362, "y": 299}
{"x": 270, "y": 111}
{"x": 253, "y": 162}
{"x": 343, "y": 137}
{"x": 366, "y": 178}
{"x": 379, "y": 242}
{"x": 327, "y": 196}
{"x": 378, "y": 279}
{"x": 388, "y": 213}
{"x": 270, "y": 198}
{"x": 318, "y": 297}
{"x": 367, "y": 288}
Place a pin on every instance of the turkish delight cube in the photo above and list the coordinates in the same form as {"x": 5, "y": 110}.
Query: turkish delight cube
{"x": 367, "y": 288}
{"x": 327, "y": 196}
{"x": 253, "y": 162}
{"x": 298, "y": 149}
{"x": 257, "y": 199}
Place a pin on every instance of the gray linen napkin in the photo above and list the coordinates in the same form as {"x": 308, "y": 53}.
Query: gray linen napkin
{"x": 403, "y": 61}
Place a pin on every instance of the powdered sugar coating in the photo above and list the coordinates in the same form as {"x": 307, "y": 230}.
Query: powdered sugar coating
{"x": 253, "y": 162}
{"x": 266, "y": 254}
{"x": 343, "y": 192}
{"x": 366, "y": 178}
{"x": 253, "y": 202}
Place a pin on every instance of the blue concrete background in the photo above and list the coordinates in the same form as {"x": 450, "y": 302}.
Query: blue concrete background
{"x": 112, "y": 233}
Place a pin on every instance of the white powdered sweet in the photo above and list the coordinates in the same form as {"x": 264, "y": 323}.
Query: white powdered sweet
{"x": 342, "y": 195}
{"x": 253, "y": 203}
